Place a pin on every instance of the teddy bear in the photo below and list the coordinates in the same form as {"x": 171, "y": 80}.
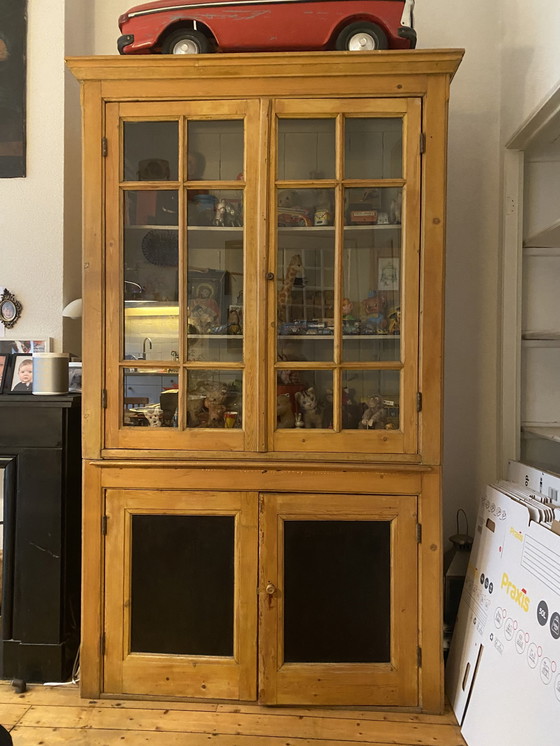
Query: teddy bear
{"x": 307, "y": 402}
{"x": 214, "y": 403}
{"x": 375, "y": 414}
{"x": 211, "y": 414}
{"x": 374, "y": 309}
{"x": 284, "y": 413}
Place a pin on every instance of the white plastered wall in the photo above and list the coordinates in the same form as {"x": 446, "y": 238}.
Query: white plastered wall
{"x": 32, "y": 208}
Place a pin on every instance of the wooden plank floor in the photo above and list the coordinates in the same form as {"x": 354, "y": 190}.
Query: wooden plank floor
{"x": 56, "y": 715}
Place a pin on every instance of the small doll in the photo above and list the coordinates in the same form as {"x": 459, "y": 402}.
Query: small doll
{"x": 347, "y": 308}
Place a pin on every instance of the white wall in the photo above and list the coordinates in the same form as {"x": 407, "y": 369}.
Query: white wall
{"x": 32, "y": 208}
{"x": 472, "y": 247}
{"x": 531, "y": 63}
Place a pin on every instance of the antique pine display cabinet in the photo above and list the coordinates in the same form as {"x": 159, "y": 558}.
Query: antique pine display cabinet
{"x": 263, "y": 286}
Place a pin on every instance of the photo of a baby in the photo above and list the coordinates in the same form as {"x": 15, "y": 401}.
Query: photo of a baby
{"x": 22, "y": 377}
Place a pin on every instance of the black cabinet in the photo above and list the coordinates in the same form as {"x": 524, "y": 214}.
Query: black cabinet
{"x": 40, "y": 452}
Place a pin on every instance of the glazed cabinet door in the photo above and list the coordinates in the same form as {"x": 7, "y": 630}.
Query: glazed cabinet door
{"x": 181, "y": 225}
{"x": 180, "y": 601}
{"x": 338, "y": 600}
{"x": 344, "y": 238}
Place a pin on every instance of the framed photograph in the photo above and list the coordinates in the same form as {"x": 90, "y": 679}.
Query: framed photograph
{"x": 75, "y": 378}
{"x": 10, "y": 309}
{"x": 25, "y": 346}
{"x": 388, "y": 273}
{"x": 3, "y": 369}
{"x": 206, "y": 299}
{"x": 21, "y": 375}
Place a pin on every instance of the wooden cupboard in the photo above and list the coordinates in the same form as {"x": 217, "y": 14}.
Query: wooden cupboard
{"x": 263, "y": 287}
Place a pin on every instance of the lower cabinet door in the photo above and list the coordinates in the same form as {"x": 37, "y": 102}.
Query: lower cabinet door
{"x": 327, "y": 585}
{"x": 180, "y": 600}
{"x": 338, "y": 600}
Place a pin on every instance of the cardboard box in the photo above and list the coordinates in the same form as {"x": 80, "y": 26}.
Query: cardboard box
{"x": 503, "y": 670}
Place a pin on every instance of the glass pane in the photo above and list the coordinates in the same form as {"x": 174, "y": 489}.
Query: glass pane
{"x": 150, "y": 398}
{"x": 151, "y": 151}
{"x": 151, "y": 310}
{"x": 215, "y": 398}
{"x": 372, "y": 276}
{"x": 370, "y": 399}
{"x": 151, "y": 330}
{"x": 337, "y": 591}
{"x": 215, "y": 150}
{"x": 182, "y": 584}
{"x": 306, "y": 149}
{"x": 304, "y": 398}
{"x": 373, "y": 148}
{"x": 305, "y": 275}
{"x": 304, "y": 208}
{"x": 215, "y": 277}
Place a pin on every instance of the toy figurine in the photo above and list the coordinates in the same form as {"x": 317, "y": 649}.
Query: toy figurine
{"x": 284, "y": 294}
{"x": 375, "y": 415}
{"x": 394, "y": 320}
{"x": 374, "y": 307}
{"x": 284, "y": 414}
{"x": 227, "y": 215}
{"x": 395, "y": 213}
{"x": 347, "y": 308}
{"x": 307, "y": 402}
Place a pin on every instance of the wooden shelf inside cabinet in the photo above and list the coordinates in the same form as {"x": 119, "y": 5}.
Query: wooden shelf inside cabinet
{"x": 376, "y": 337}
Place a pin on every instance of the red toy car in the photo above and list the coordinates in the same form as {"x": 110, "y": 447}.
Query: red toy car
{"x": 199, "y": 26}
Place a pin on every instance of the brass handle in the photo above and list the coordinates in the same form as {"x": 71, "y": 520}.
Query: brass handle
{"x": 270, "y": 589}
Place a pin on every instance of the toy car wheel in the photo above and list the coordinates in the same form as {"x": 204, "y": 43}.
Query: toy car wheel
{"x": 186, "y": 41}
{"x": 361, "y": 37}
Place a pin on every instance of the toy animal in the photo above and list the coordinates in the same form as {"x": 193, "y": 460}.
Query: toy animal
{"x": 374, "y": 310}
{"x": 226, "y": 215}
{"x": 214, "y": 403}
{"x": 284, "y": 293}
{"x": 375, "y": 415}
{"x": 154, "y": 415}
{"x": 307, "y": 402}
{"x": 284, "y": 413}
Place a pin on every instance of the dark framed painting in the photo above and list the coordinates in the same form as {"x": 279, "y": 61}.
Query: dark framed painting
{"x": 13, "y": 35}
{"x": 20, "y": 375}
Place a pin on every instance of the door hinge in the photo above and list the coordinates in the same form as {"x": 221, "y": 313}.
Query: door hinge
{"x": 104, "y": 147}
{"x": 419, "y": 656}
{"x": 103, "y": 398}
{"x": 418, "y": 533}
{"x": 104, "y": 525}
{"x": 422, "y": 142}
{"x": 419, "y": 401}
{"x": 102, "y": 645}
